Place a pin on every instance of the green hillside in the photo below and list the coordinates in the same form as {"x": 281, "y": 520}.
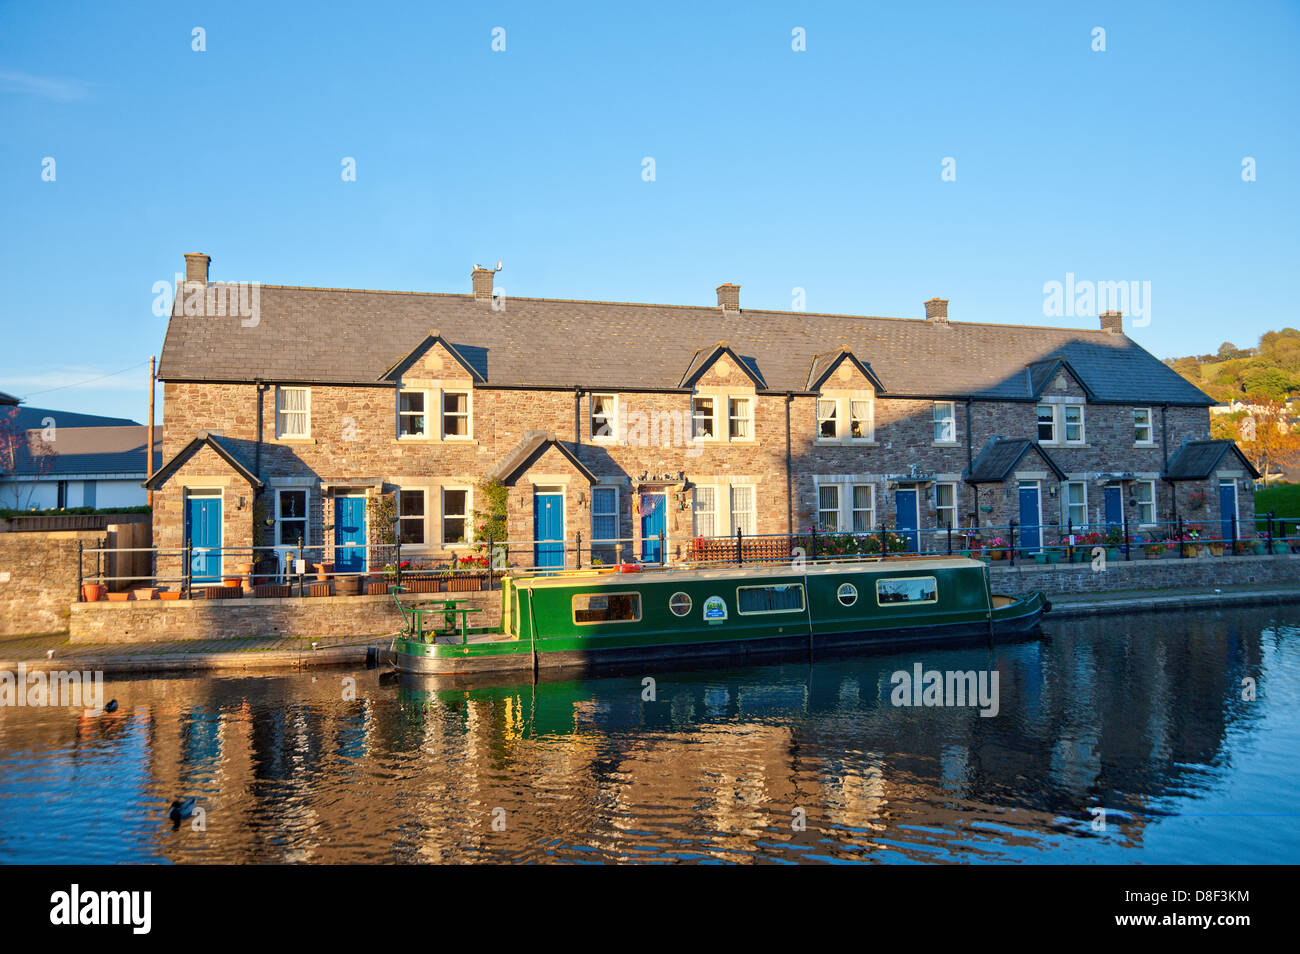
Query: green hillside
{"x": 1270, "y": 369}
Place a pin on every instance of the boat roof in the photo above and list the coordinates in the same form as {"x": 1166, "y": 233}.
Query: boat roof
{"x": 687, "y": 572}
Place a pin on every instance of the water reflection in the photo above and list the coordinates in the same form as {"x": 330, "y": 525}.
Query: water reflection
{"x": 1143, "y": 716}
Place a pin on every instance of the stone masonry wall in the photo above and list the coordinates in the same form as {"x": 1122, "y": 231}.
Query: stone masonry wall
{"x": 38, "y": 579}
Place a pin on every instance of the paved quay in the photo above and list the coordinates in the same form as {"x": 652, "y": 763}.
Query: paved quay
{"x": 279, "y": 653}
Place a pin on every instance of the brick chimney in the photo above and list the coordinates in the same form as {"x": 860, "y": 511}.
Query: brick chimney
{"x": 196, "y": 267}
{"x": 936, "y": 309}
{"x": 1112, "y": 321}
{"x": 729, "y": 297}
{"x": 482, "y": 279}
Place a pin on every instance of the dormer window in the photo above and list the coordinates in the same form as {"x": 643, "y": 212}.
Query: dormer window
{"x": 702, "y": 428}
{"x": 827, "y": 419}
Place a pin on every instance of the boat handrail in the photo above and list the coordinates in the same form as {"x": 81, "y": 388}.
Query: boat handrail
{"x": 687, "y": 565}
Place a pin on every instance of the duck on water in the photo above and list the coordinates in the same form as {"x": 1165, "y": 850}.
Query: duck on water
{"x": 633, "y": 613}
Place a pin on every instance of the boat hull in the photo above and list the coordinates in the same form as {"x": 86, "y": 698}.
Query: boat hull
{"x": 1019, "y": 619}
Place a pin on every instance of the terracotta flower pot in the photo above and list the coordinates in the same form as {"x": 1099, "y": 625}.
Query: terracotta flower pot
{"x": 145, "y": 592}
{"x": 169, "y": 595}
{"x": 119, "y": 597}
{"x": 92, "y": 592}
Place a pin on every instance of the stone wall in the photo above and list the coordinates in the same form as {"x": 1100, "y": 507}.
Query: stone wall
{"x": 1143, "y": 574}
{"x": 38, "y": 579}
{"x": 308, "y": 617}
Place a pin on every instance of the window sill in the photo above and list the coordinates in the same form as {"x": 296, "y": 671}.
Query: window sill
{"x": 294, "y": 440}
{"x": 945, "y": 444}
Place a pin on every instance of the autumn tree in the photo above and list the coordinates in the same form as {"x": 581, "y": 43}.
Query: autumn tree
{"x": 1263, "y": 432}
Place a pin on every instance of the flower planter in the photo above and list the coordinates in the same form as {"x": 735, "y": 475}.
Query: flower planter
{"x": 272, "y": 591}
{"x": 1191, "y": 549}
{"x": 1042, "y": 558}
{"x": 169, "y": 595}
{"x": 997, "y": 554}
{"x": 1280, "y": 547}
{"x": 230, "y": 581}
{"x": 1216, "y": 549}
{"x": 1113, "y": 554}
{"x": 424, "y": 586}
{"x": 318, "y": 589}
{"x": 221, "y": 592}
{"x": 93, "y": 592}
{"x": 119, "y": 597}
{"x": 347, "y": 586}
{"x": 380, "y": 588}
{"x": 465, "y": 584}
{"x": 145, "y": 592}
{"x": 324, "y": 571}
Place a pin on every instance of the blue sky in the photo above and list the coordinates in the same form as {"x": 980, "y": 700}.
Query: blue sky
{"x": 775, "y": 169}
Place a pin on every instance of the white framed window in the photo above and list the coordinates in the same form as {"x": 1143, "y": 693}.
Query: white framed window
{"x": 412, "y": 413}
{"x": 828, "y": 428}
{"x": 604, "y": 513}
{"x": 455, "y": 516}
{"x": 1143, "y": 433}
{"x": 945, "y": 505}
{"x": 292, "y": 412}
{"x": 706, "y": 511}
{"x": 1076, "y": 504}
{"x": 604, "y": 417}
{"x": 1074, "y": 433}
{"x": 740, "y": 413}
{"x": 1046, "y": 424}
{"x": 945, "y": 422}
{"x": 455, "y": 415}
{"x": 862, "y": 424}
{"x": 743, "y": 515}
{"x": 410, "y": 516}
{"x": 291, "y": 518}
{"x": 702, "y": 423}
{"x": 828, "y": 508}
{"x": 1146, "y": 501}
{"x": 864, "y": 508}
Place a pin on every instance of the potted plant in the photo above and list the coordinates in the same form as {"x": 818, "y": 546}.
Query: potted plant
{"x": 145, "y": 592}
{"x": 997, "y": 548}
{"x": 1216, "y": 546}
{"x": 1154, "y": 549}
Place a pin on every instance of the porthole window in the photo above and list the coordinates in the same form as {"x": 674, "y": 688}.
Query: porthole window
{"x": 680, "y": 604}
{"x": 848, "y": 594}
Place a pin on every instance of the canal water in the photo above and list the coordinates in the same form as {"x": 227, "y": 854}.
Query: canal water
{"x": 1118, "y": 739}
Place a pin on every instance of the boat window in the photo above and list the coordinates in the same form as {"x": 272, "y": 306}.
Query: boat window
{"x": 777, "y": 598}
{"x": 680, "y": 604}
{"x": 914, "y": 589}
{"x": 606, "y": 607}
{"x": 848, "y": 594}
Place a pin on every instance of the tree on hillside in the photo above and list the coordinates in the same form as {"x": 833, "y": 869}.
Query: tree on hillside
{"x": 1263, "y": 433}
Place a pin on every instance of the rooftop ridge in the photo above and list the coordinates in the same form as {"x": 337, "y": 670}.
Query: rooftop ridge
{"x": 708, "y": 309}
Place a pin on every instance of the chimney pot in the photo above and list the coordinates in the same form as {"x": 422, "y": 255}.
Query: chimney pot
{"x": 482, "y": 279}
{"x": 729, "y": 297}
{"x": 196, "y": 267}
{"x": 1112, "y": 321}
{"x": 936, "y": 309}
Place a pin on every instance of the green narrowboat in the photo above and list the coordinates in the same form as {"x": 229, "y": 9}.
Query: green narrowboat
{"x": 582, "y": 617}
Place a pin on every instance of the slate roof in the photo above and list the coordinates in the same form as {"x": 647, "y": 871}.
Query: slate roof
{"x": 1197, "y": 460}
{"x": 1000, "y": 456}
{"x": 80, "y": 451}
{"x": 231, "y": 450}
{"x": 530, "y": 447}
{"x": 348, "y": 336}
{"x": 34, "y": 417}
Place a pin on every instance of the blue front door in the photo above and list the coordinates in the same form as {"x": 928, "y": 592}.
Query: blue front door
{"x": 548, "y": 530}
{"x": 908, "y": 519}
{"x": 350, "y": 534}
{"x": 1227, "y": 508}
{"x": 1114, "y": 506}
{"x": 653, "y": 522}
{"x": 203, "y": 533}
{"x": 1030, "y": 535}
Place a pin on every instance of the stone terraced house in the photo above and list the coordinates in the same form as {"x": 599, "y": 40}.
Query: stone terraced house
{"x": 621, "y": 422}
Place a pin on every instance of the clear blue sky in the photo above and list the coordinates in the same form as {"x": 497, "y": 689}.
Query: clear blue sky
{"x": 775, "y": 169}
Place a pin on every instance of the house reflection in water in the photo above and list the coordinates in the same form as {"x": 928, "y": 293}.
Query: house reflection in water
{"x": 1125, "y": 714}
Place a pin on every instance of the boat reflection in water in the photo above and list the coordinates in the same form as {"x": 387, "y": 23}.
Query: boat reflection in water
{"x": 1142, "y": 716}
